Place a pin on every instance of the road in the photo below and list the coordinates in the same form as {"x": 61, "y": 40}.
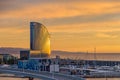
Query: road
{"x": 42, "y": 75}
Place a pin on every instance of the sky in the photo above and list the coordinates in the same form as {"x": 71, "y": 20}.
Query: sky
{"x": 74, "y": 25}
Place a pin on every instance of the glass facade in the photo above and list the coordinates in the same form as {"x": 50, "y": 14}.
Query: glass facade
{"x": 39, "y": 40}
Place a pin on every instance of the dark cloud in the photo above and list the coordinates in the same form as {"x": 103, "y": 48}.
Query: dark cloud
{"x": 83, "y": 19}
{"x": 66, "y": 20}
{"x": 7, "y": 5}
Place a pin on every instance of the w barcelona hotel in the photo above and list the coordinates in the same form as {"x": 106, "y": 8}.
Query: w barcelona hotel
{"x": 39, "y": 41}
{"x": 38, "y": 57}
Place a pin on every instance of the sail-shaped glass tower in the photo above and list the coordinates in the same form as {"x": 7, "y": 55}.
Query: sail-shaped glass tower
{"x": 39, "y": 41}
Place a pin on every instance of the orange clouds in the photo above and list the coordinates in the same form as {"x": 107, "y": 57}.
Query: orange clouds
{"x": 74, "y": 25}
{"x": 102, "y": 35}
{"x": 58, "y": 10}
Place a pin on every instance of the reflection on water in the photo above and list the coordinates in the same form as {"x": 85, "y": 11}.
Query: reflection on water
{"x": 103, "y": 79}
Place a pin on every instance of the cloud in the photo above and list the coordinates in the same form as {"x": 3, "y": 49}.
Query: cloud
{"x": 83, "y": 19}
{"x": 66, "y": 12}
{"x": 73, "y": 23}
{"x": 60, "y": 8}
{"x": 7, "y": 5}
{"x": 103, "y": 35}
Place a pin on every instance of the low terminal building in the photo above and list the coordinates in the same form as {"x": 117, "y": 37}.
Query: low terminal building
{"x": 40, "y": 64}
{"x": 35, "y": 64}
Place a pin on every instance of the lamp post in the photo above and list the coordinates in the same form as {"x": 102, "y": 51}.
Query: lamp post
{"x": 23, "y": 65}
{"x": 53, "y": 76}
{"x": 39, "y": 67}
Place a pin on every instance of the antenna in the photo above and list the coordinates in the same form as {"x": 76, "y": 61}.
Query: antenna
{"x": 95, "y": 53}
{"x": 87, "y": 59}
{"x": 95, "y": 58}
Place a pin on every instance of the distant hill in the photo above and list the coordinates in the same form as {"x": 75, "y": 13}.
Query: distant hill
{"x": 66, "y": 54}
{"x": 7, "y": 50}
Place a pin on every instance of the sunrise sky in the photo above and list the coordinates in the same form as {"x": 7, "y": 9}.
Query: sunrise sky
{"x": 74, "y": 25}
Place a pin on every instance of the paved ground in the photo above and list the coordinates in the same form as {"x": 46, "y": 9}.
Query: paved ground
{"x": 43, "y": 75}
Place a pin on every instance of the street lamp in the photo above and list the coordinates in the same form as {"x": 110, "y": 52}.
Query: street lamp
{"x": 53, "y": 70}
{"x": 23, "y": 65}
